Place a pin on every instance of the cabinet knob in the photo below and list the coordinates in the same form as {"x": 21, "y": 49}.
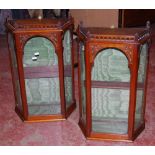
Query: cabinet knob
{"x": 36, "y": 54}
{"x": 34, "y": 58}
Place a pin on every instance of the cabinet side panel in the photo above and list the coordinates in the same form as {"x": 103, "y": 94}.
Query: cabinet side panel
{"x": 15, "y": 75}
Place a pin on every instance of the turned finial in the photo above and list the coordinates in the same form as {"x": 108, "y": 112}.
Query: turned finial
{"x": 148, "y": 24}
{"x": 39, "y": 17}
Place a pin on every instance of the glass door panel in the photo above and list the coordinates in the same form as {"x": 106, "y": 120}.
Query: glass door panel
{"x": 41, "y": 77}
{"x": 110, "y": 91}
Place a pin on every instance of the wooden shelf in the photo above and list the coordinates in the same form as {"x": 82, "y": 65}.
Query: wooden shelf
{"x": 45, "y": 72}
{"x": 114, "y": 85}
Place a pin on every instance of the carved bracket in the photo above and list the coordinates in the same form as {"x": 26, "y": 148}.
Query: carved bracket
{"x": 23, "y": 38}
{"x": 127, "y": 49}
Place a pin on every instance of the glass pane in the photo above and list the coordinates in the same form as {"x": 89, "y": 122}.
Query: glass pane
{"x": 110, "y": 92}
{"x": 67, "y": 57}
{"x": 42, "y": 96}
{"x": 15, "y": 72}
{"x": 140, "y": 85}
{"x": 82, "y": 78}
{"x": 41, "y": 77}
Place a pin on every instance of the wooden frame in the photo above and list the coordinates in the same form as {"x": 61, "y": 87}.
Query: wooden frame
{"x": 53, "y": 30}
{"x": 128, "y": 41}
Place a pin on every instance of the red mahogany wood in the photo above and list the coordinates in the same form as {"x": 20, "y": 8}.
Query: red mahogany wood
{"x": 42, "y": 72}
{"x": 53, "y": 30}
{"x": 128, "y": 41}
{"x": 115, "y": 34}
{"x": 37, "y": 25}
{"x": 113, "y": 85}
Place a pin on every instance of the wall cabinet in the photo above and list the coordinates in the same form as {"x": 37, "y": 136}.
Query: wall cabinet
{"x": 42, "y": 61}
{"x": 112, "y": 81}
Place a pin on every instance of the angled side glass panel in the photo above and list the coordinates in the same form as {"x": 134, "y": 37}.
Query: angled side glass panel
{"x": 15, "y": 72}
{"x": 67, "y": 58}
{"x": 41, "y": 77}
{"x": 82, "y": 80}
{"x": 110, "y": 92}
{"x": 141, "y": 85}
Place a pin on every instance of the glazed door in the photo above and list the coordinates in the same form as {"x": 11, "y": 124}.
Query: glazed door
{"x": 110, "y": 92}
{"x": 41, "y": 73}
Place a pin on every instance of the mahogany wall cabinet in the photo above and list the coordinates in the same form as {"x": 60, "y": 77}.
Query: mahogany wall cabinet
{"x": 42, "y": 61}
{"x": 112, "y": 81}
